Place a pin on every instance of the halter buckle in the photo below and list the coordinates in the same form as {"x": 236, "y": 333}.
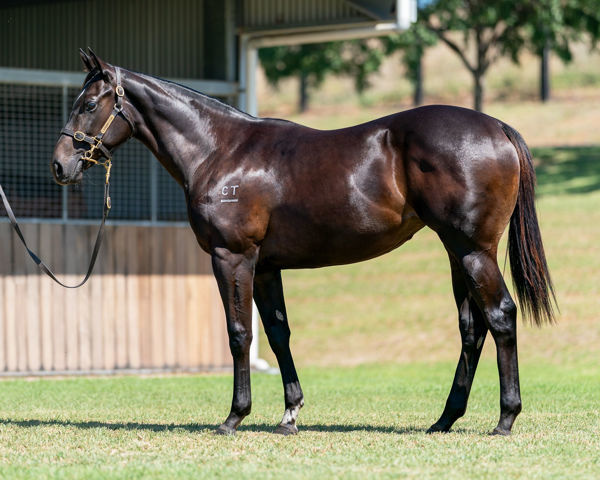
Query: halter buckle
{"x": 119, "y": 91}
{"x": 79, "y": 136}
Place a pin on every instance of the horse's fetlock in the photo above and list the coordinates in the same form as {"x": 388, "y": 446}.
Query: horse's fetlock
{"x": 511, "y": 405}
{"x": 242, "y": 408}
{"x": 295, "y": 401}
{"x": 456, "y": 408}
{"x": 293, "y": 395}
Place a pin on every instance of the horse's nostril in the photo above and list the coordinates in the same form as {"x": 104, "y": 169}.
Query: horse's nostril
{"x": 58, "y": 170}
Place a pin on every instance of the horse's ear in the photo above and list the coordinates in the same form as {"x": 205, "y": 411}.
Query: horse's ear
{"x": 86, "y": 60}
{"x": 102, "y": 66}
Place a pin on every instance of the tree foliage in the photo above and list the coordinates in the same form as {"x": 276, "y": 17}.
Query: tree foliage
{"x": 412, "y": 43}
{"x": 559, "y": 23}
{"x": 479, "y": 32}
{"x": 314, "y": 60}
{"x": 311, "y": 63}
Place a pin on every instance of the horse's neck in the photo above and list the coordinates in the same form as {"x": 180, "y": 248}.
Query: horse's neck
{"x": 181, "y": 127}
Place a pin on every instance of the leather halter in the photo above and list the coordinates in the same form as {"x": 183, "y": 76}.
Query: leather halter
{"x": 96, "y": 142}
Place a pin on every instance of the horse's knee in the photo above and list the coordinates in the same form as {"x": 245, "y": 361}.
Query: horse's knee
{"x": 240, "y": 339}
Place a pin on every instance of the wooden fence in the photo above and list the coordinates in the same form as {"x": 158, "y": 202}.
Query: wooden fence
{"x": 152, "y": 302}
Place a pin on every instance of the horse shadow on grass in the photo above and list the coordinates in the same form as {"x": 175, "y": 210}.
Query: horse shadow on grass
{"x": 568, "y": 169}
{"x": 202, "y": 427}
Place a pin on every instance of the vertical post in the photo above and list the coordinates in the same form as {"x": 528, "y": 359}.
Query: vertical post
{"x": 251, "y": 66}
{"x": 242, "y": 73}
{"x": 229, "y": 41}
{"x": 406, "y": 13}
{"x": 248, "y": 64}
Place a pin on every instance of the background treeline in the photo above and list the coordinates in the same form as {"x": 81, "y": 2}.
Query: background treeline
{"x": 478, "y": 32}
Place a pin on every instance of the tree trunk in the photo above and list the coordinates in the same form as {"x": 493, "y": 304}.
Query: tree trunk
{"x": 418, "y": 83}
{"x": 545, "y": 73}
{"x": 479, "y": 70}
{"x": 478, "y": 91}
{"x": 303, "y": 97}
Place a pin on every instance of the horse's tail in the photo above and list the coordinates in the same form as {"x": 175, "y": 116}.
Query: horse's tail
{"x": 531, "y": 277}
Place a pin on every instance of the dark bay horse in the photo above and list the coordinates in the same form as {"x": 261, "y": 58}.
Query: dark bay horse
{"x": 264, "y": 195}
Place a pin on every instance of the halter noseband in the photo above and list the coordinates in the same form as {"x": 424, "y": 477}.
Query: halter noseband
{"x": 96, "y": 142}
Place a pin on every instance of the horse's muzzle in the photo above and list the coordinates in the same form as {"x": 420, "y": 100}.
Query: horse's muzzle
{"x": 67, "y": 176}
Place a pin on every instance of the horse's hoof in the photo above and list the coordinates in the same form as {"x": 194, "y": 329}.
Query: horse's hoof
{"x": 286, "y": 429}
{"x": 225, "y": 430}
{"x": 436, "y": 428}
{"x": 500, "y": 431}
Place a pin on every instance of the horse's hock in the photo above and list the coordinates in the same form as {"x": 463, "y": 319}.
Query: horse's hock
{"x": 152, "y": 303}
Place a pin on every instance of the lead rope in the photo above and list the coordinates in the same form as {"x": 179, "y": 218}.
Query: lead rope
{"x": 41, "y": 265}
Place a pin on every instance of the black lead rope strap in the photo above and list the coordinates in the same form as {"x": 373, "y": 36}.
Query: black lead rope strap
{"x": 42, "y": 266}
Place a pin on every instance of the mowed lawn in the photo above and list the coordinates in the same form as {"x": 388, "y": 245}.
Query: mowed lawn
{"x": 364, "y": 422}
{"x": 376, "y": 344}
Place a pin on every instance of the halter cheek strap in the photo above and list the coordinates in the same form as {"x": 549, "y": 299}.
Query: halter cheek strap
{"x": 96, "y": 142}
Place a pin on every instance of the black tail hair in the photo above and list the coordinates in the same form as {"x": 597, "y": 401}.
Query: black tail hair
{"x": 531, "y": 277}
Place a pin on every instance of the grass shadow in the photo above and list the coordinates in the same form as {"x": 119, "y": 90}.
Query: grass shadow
{"x": 154, "y": 427}
{"x": 199, "y": 427}
{"x": 567, "y": 170}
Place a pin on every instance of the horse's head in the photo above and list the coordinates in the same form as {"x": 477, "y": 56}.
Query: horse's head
{"x": 97, "y": 124}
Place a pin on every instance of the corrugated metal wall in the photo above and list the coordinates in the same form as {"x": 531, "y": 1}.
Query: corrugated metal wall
{"x": 289, "y": 13}
{"x": 164, "y": 38}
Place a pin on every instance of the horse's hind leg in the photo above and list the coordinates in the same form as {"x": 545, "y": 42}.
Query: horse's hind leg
{"x": 486, "y": 285}
{"x": 268, "y": 295}
{"x": 472, "y": 332}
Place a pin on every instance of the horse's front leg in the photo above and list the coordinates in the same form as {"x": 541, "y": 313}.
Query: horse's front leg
{"x": 234, "y": 273}
{"x": 268, "y": 294}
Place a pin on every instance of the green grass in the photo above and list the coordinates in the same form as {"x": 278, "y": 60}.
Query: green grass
{"x": 568, "y": 170}
{"x": 366, "y": 421}
{"x": 376, "y": 343}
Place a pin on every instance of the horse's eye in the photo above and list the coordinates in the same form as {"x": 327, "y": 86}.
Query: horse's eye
{"x": 91, "y": 106}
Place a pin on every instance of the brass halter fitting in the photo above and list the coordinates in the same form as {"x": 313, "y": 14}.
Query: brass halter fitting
{"x": 96, "y": 141}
